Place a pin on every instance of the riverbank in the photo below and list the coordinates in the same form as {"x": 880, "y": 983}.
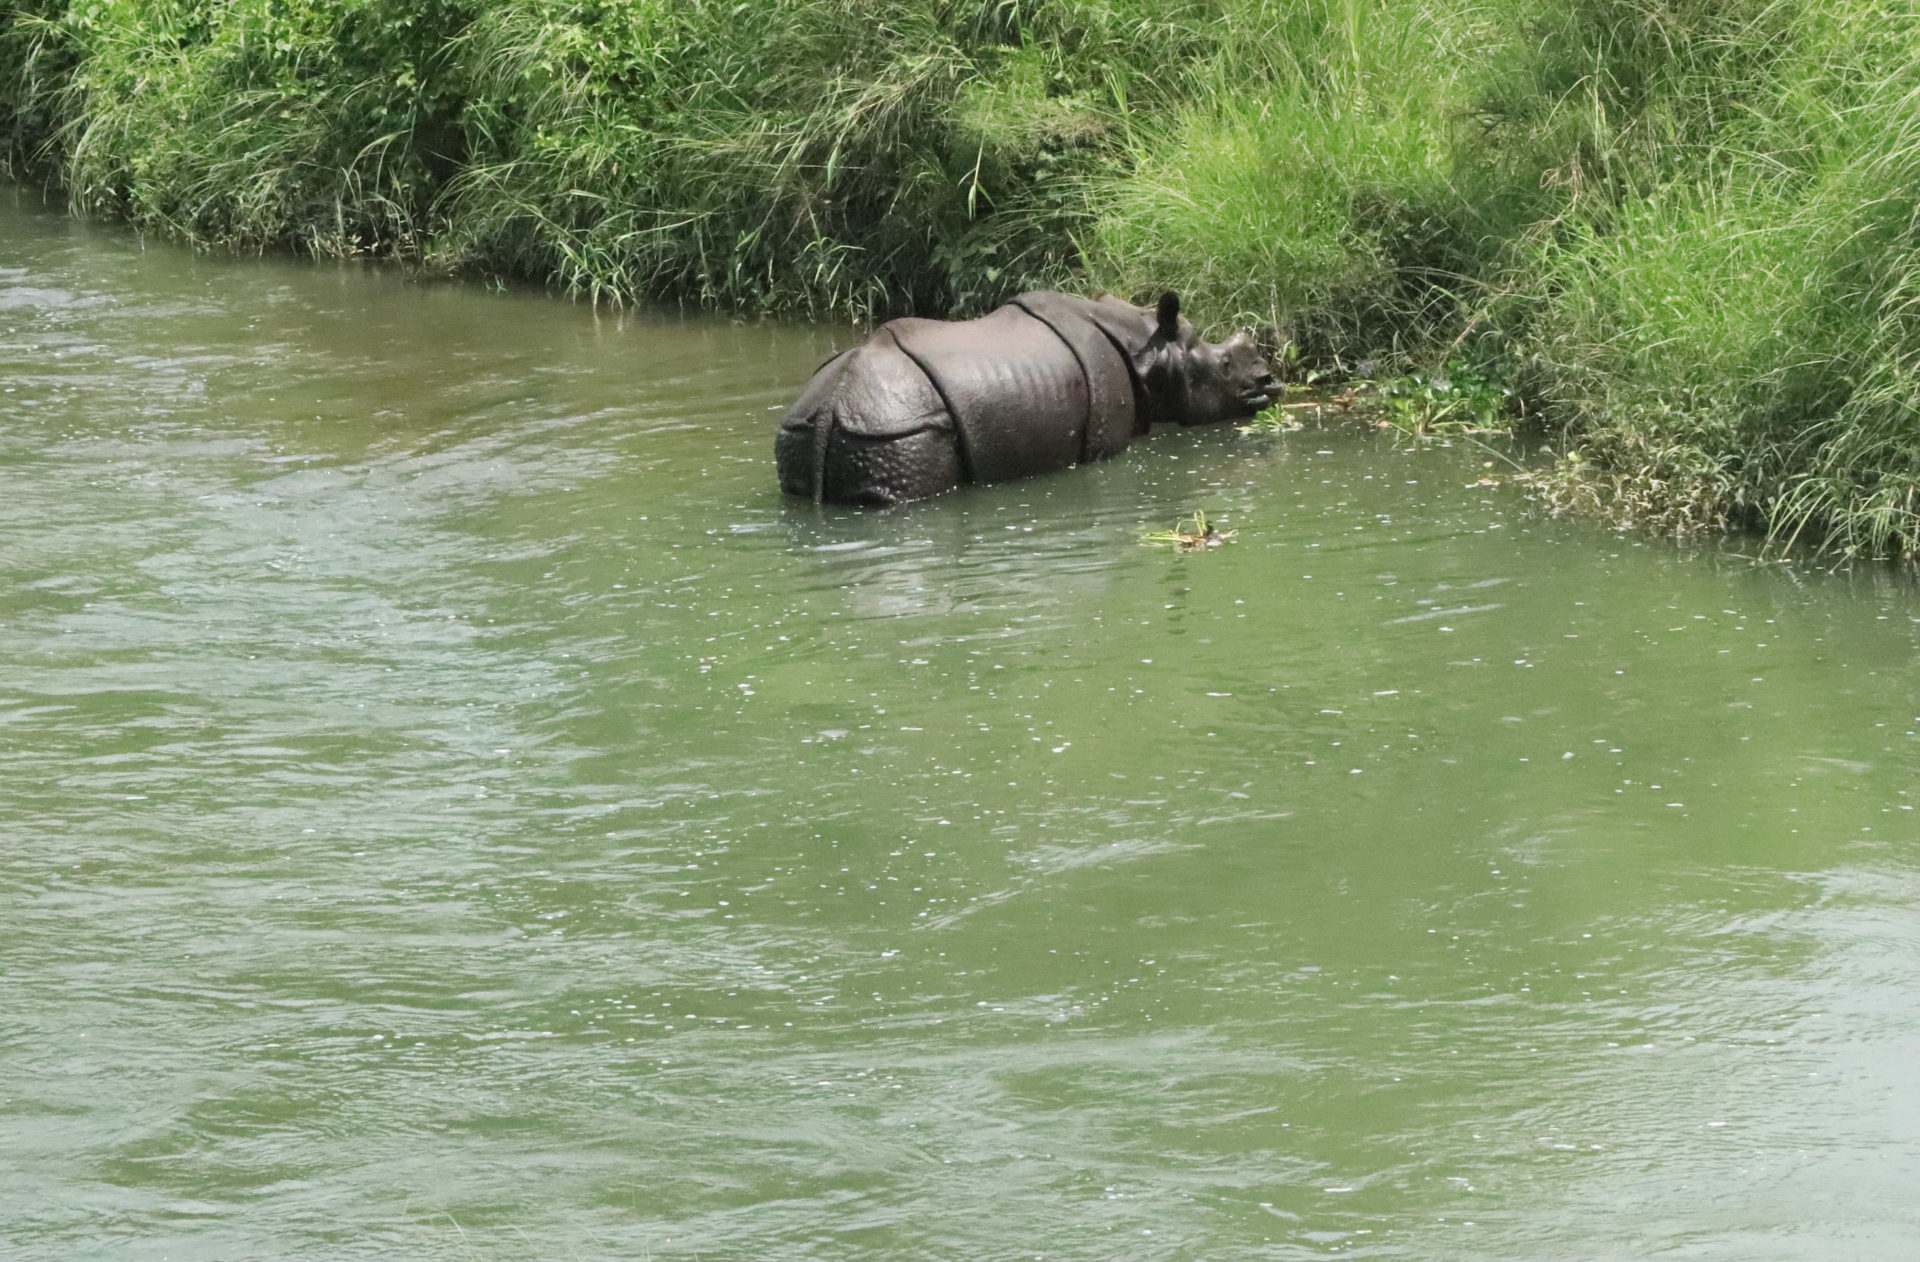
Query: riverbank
{"x": 1684, "y": 233}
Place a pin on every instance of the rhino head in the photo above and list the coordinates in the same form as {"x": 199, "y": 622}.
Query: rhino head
{"x": 1196, "y": 382}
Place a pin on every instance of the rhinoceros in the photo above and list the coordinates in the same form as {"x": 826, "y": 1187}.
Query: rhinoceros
{"x": 1047, "y": 381}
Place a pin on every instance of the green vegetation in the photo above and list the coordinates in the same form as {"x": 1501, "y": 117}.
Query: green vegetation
{"x": 1195, "y": 531}
{"x": 849, "y": 156}
{"x": 1684, "y": 232}
{"x": 1455, "y": 398}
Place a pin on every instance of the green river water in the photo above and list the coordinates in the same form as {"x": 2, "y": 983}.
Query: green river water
{"x": 454, "y": 808}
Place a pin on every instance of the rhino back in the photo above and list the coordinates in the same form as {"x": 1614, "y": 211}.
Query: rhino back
{"x": 1112, "y": 420}
{"x": 1127, "y": 327}
{"x": 1014, "y": 388}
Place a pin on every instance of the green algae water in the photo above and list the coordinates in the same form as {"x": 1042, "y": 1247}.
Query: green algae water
{"x": 453, "y": 807}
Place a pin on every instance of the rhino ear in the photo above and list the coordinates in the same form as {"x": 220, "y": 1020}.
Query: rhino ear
{"x": 1167, "y": 315}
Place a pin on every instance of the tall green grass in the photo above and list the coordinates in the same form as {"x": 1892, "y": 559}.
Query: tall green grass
{"x": 1687, "y": 229}
{"x": 322, "y": 126}
{"x": 857, "y": 156}
{"x": 854, "y": 157}
{"x": 1684, "y": 229}
{"x": 1324, "y": 174}
{"x": 1725, "y": 323}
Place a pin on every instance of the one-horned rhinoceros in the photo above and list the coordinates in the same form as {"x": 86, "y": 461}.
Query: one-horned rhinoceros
{"x": 1047, "y": 381}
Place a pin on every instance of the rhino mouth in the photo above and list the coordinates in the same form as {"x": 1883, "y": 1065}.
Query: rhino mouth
{"x": 1262, "y": 394}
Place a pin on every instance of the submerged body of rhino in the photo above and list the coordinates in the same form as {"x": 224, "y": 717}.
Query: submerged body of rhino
{"x": 1047, "y": 381}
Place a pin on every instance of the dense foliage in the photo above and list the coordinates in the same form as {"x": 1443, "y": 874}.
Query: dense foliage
{"x": 1687, "y": 230}
{"x": 858, "y": 156}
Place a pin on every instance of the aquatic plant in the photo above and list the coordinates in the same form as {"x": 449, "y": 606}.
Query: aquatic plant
{"x": 1197, "y": 531}
{"x": 1456, "y": 398}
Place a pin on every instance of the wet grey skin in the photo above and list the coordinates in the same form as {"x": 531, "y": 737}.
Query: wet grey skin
{"x": 1048, "y": 381}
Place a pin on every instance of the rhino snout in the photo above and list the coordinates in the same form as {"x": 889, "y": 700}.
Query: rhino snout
{"x": 1265, "y": 388}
